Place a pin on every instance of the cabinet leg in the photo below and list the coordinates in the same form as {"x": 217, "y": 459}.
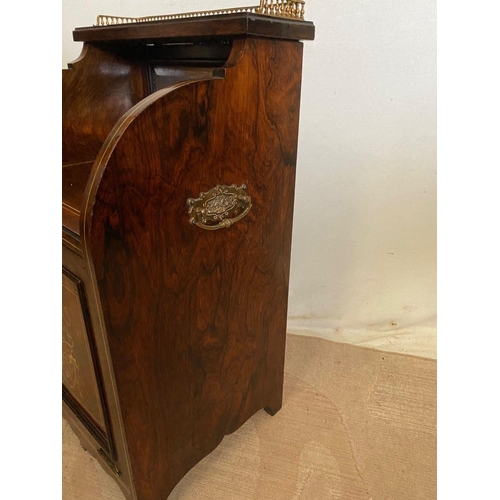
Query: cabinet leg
{"x": 273, "y": 409}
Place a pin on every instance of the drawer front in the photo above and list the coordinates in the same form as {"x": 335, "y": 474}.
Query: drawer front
{"x": 81, "y": 375}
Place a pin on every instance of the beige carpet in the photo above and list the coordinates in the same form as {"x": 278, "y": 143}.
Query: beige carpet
{"x": 356, "y": 424}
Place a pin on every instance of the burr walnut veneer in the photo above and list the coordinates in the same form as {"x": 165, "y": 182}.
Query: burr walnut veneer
{"x": 179, "y": 153}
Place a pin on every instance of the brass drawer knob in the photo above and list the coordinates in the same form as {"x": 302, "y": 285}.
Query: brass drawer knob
{"x": 220, "y": 207}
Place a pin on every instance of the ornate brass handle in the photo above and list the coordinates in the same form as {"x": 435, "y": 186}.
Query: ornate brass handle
{"x": 220, "y": 207}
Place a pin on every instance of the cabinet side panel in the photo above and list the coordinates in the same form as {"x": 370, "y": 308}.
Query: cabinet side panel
{"x": 196, "y": 319}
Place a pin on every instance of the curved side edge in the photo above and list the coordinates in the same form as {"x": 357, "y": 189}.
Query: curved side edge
{"x": 83, "y": 53}
{"x": 91, "y": 189}
{"x": 97, "y": 89}
{"x": 109, "y": 146}
{"x": 238, "y": 51}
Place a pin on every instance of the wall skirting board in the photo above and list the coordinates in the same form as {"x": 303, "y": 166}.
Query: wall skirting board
{"x": 415, "y": 338}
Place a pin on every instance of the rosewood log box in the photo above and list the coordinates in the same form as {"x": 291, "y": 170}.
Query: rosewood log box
{"x": 179, "y": 156}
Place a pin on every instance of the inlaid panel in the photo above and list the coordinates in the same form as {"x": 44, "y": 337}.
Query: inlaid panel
{"x": 78, "y": 372}
{"x": 82, "y": 383}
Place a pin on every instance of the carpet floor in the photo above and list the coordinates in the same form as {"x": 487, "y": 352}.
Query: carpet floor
{"x": 356, "y": 423}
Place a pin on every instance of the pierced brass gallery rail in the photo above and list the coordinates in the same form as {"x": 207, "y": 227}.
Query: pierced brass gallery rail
{"x": 288, "y": 9}
{"x": 220, "y": 207}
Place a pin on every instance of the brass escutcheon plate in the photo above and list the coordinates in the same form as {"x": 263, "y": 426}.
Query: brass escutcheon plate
{"x": 220, "y": 207}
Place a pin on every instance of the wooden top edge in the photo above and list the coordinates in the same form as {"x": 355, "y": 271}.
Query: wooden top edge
{"x": 225, "y": 25}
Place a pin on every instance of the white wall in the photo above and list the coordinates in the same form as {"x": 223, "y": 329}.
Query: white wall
{"x": 364, "y": 241}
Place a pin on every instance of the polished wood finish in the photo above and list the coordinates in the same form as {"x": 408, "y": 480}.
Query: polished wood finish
{"x": 97, "y": 89}
{"x": 111, "y": 452}
{"x": 227, "y": 25}
{"x": 188, "y": 325}
{"x": 77, "y": 363}
{"x": 74, "y": 180}
{"x": 81, "y": 375}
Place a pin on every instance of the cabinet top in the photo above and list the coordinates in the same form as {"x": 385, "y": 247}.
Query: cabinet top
{"x": 196, "y": 26}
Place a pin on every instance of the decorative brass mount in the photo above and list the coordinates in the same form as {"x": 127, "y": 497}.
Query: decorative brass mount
{"x": 288, "y": 9}
{"x": 220, "y": 207}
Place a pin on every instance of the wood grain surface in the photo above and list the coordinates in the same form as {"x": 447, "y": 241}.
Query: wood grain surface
{"x": 78, "y": 350}
{"x": 97, "y": 89}
{"x": 196, "y": 319}
{"x": 208, "y": 27}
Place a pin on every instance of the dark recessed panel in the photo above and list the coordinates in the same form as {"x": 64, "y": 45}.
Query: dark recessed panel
{"x": 81, "y": 376}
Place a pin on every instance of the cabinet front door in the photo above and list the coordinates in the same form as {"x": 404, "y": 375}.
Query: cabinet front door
{"x": 83, "y": 389}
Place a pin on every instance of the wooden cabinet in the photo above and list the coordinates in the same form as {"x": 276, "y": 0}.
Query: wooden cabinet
{"x": 179, "y": 156}
{"x": 83, "y": 389}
